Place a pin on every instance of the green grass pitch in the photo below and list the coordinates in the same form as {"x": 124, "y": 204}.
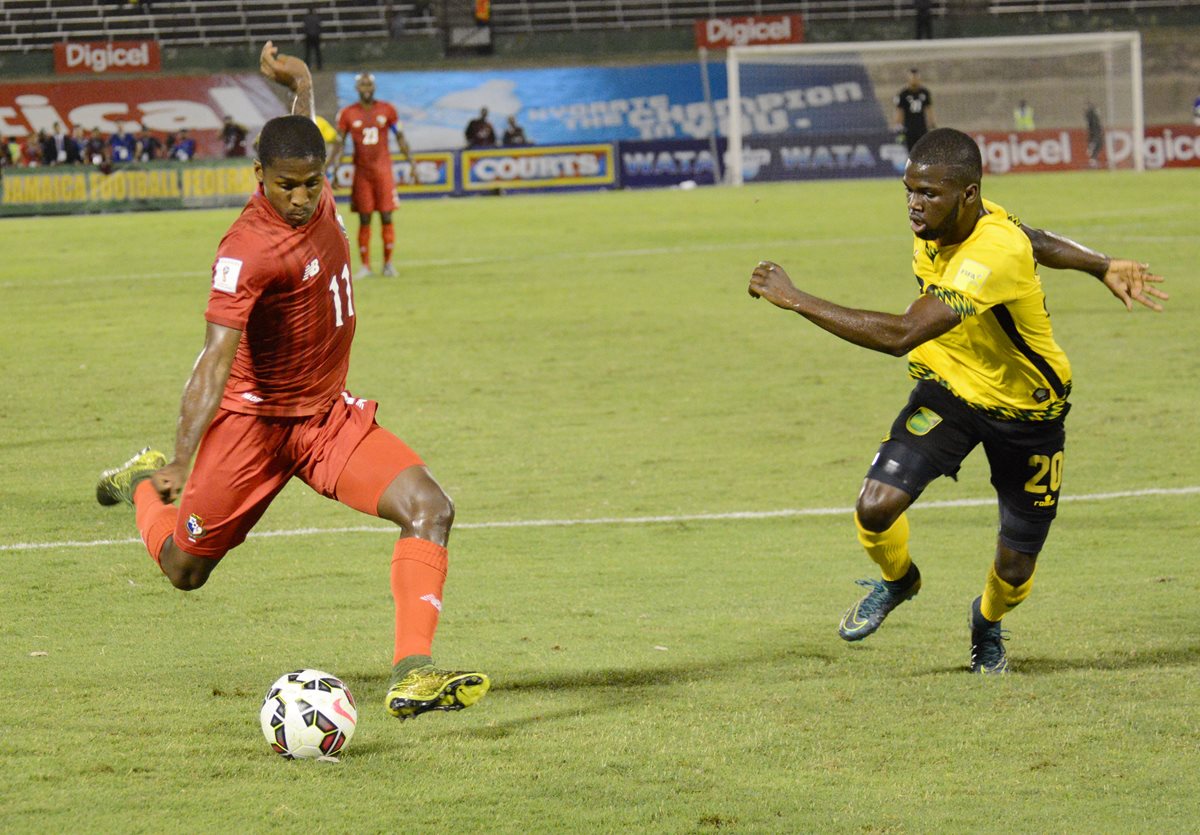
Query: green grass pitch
{"x": 584, "y": 357}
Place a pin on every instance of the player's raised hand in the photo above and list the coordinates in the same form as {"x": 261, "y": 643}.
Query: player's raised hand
{"x": 169, "y": 480}
{"x": 1132, "y": 281}
{"x": 282, "y": 69}
{"x": 770, "y": 282}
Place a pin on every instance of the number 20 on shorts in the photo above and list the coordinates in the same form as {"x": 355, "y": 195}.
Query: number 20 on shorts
{"x": 1046, "y": 468}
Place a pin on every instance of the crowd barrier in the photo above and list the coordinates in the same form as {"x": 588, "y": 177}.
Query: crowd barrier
{"x": 601, "y": 165}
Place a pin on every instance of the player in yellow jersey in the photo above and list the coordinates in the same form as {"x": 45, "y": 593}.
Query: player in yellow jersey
{"x": 988, "y": 372}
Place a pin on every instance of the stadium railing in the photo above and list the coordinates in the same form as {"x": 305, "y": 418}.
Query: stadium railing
{"x": 27, "y": 25}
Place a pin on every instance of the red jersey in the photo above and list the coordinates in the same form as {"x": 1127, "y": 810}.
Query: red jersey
{"x": 288, "y": 289}
{"x": 368, "y": 128}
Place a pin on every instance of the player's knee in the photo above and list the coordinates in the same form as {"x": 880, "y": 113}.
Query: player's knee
{"x": 432, "y": 515}
{"x": 1014, "y": 567}
{"x": 878, "y": 506}
{"x": 185, "y": 571}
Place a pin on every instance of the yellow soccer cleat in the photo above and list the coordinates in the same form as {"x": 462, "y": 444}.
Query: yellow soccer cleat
{"x": 428, "y": 688}
{"x": 116, "y": 485}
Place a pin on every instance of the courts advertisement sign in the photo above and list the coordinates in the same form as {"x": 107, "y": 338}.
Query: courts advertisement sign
{"x": 724, "y": 32}
{"x": 106, "y": 57}
{"x": 554, "y": 166}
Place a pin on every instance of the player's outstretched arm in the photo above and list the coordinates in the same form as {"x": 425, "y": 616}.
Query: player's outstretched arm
{"x": 1128, "y": 280}
{"x": 888, "y": 333}
{"x": 292, "y": 73}
{"x": 201, "y": 397}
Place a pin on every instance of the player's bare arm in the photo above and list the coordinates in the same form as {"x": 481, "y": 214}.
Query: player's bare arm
{"x": 406, "y": 152}
{"x": 1127, "y": 280}
{"x": 201, "y": 397}
{"x": 291, "y": 73}
{"x": 335, "y": 149}
{"x": 888, "y": 333}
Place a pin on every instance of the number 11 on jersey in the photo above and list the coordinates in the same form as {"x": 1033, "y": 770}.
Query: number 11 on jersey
{"x": 335, "y": 289}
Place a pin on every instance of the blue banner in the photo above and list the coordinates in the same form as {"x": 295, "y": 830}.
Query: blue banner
{"x": 823, "y": 157}
{"x": 668, "y": 162}
{"x": 605, "y": 104}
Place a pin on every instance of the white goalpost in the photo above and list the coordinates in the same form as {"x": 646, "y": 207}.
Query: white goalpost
{"x": 841, "y": 94}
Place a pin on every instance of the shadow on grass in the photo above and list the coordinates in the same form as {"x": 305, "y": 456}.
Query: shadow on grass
{"x": 1041, "y": 665}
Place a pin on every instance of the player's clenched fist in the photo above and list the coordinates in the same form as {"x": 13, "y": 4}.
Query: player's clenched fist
{"x": 169, "y": 481}
{"x": 282, "y": 69}
{"x": 770, "y": 282}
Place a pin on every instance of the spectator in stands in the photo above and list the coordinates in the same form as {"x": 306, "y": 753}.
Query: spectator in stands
{"x": 95, "y": 150}
{"x": 233, "y": 137}
{"x": 47, "y": 150}
{"x": 514, "y": 134}
{"x": 149, "y": 148}
{"x": 75, "y": 142}
{"x": 31, "y": 151}
{"x": 59, "y": 137}
{"x": 183, "y": 148}
{"x": 480, "y": 133}
{"x": 11, "y": 151}
{"x": 1196, "y": 111}
{"x": 914, "y": 110}
{"x": 312, "y": 37}
{"x": 924, "y": 12}
{"x": 122, "y": 146}
{"x": 1023, "y": 116}
{"x": 1095, "y": 135}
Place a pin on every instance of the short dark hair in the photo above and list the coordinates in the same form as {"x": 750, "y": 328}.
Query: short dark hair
{"x": 290, "y": 137}
{"x": 954, "y": 150}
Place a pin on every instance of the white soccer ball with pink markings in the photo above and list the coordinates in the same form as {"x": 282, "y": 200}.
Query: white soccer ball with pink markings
{"x": 308, "y": 714}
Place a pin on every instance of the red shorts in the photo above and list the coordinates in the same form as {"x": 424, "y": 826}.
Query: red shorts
{"x": 245, "y": 460}
{"x": 372, "y": 192}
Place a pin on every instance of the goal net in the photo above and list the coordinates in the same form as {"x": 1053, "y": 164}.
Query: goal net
{"x": 801, "y": 111}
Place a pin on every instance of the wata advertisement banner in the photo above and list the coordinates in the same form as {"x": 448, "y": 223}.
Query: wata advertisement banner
{"x": 107, "y": 57}
{"x": 163, "y": 105}
{"x": 668, "y": 162}
{"x": 606, "y": 104}
{"x": 538, "y": 167}
{"x": 823, "y": 157}
{"x": 1165, "y": 146}
{"x": 434, "y": 175}
{"x": 724, "y": 32}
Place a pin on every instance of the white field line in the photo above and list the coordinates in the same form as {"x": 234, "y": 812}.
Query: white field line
{"x": 631, "y": 520}
{"x": 426, "y": 263}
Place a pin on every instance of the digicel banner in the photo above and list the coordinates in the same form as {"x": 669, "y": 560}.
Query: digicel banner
{"x": 1165, "y": 146}
{"x": 724, "y": 32}
{"x": 107, "y": 57}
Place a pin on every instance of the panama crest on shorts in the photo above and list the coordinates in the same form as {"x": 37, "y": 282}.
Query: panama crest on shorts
{"x": 195, "y": 526}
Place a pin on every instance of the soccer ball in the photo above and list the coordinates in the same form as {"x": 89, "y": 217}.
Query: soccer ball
{"x": 308, "y": 714}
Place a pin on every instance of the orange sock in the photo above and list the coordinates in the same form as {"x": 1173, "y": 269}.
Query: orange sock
{"x": 389, "y": 242}
{"x": 364, "y": 245}
{"x": 418, "y": 573}
{"x": 155, "y": 520}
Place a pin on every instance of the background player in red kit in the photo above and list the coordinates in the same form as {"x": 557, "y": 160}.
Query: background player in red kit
{"x": 367, "y": 122}
{"x": 266, "y": 401}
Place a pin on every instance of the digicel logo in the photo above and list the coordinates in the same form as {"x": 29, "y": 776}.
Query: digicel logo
{"x": 132, "y": 56}
{"x": 744, "y": 31}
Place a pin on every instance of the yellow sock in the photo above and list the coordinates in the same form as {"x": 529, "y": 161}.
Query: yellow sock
{"x": 888, "y": 549}
{"x": 999, "y": 597}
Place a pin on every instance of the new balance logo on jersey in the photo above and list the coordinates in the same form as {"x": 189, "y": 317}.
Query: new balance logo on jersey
{"x": 351, "y": 400}
{"x": 432, "y": 600}
{"x": 314, "y": 267}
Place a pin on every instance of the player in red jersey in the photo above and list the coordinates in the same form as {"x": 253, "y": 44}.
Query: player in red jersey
{"x": 266, "y": 401}
{"x": 367, "y": 122}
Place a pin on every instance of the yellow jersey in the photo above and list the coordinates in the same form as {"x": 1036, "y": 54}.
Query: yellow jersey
{"x": 1002, "y": 359}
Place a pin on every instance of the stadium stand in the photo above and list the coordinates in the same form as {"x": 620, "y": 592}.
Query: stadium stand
{"x": 27, "y": 25}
